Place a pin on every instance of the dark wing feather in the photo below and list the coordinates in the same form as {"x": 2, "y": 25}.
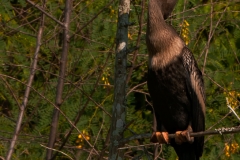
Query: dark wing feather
{"x": 196, "y": 92}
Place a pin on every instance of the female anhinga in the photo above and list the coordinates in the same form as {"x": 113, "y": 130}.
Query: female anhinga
{"x": 175, "y": 84}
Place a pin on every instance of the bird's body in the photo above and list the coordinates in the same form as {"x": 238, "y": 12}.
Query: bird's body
{"x": 174, "y": 81}
{"x": 170, "y": 95}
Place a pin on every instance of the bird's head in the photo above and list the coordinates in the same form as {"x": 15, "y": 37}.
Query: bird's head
{"x": 167, "y": 7}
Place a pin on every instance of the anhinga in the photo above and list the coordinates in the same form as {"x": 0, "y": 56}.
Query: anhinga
{"x": 175, "y": 84}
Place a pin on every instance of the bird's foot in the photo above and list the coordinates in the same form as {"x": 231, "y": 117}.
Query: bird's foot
{"x": 184, "y": 136}
{"x": 160, "y": 137}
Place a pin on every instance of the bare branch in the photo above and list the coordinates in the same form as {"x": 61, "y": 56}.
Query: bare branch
{"x": 27, "y": 91}
{"x": 63, "y": 63}
{"x": 196, "y": 134}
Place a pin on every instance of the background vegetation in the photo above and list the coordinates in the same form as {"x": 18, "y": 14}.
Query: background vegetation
{"x": 211, "y": 29}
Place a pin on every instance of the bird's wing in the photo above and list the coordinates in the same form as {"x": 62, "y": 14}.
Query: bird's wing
{"x": 196, "y": 92}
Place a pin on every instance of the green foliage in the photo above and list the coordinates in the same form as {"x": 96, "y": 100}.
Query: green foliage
{"x": 89, "y": 49}
{"x": 88, "y": 89}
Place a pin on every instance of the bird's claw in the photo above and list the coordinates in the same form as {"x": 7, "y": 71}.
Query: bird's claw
{"x": 183, "y": 136}
{"x": 160, "y": 137}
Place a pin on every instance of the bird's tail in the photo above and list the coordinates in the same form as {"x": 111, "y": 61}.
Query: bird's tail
{"x": 186, "y": 151}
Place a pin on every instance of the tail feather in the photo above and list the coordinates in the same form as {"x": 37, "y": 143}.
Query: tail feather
{"x": 186, "y": 151}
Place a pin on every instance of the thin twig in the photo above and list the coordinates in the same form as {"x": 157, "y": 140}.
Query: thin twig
{"x": 209, "y": 37}
{"x": 106, "y": 144}
{"x": 94, "y": 17}
{"x": 234, "y": 52}
{"x": 89, "y": 156}
{"x": 132, "y": 89}
{"x": 143, "y": 145}
{"x": 232, "y": 109}
{"x": 11, "y": 92}
{"x": 57, "y": 151}
{"x": 43, "y": 11}
{"x": 211, "y": 33}
{"x": 138, "y": 42}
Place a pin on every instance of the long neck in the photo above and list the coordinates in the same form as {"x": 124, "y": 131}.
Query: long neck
{"x": 155, "y": 16}
{"x": 162, "y": 40}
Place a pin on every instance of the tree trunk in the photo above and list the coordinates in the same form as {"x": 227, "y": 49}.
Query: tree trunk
{"x": 119, "y": 104}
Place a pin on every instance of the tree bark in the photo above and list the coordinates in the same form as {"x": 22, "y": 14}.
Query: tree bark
{"x": 60, "y": 85}
{"x": 119, "y": 104}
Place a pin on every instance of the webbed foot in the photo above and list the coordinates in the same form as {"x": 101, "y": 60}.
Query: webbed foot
{"x": 184, "y": 136}
{"x": 160, "y": 137}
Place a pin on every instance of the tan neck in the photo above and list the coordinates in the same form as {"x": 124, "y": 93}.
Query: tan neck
{"x": 155, "y": 15}
{"x": 163, "y": 42}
